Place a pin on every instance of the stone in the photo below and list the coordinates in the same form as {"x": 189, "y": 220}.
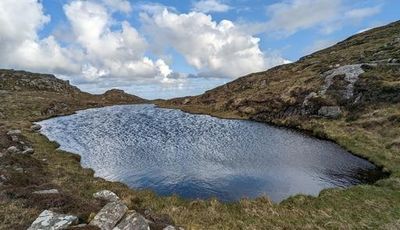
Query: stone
{"x": 36, "y": 127}
{"x": 28, "y": 151}
{"x": 106, "y": 195}
{"x": 133, "y": 221}
{"x": 48, "y": 191}
{"x": 13, "y": 150}
{"x": 169, "y": 227}
{"x": 330, "y": 111}
{"x": 15, "y": 132}
{"x": 49, "y": 220}
{"x": 109, "y": 215}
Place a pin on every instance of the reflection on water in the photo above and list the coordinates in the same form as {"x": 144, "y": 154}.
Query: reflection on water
{"x": 198, "y": 156}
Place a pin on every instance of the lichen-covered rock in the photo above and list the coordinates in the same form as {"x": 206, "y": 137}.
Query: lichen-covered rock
{"x": 330, "y": 111}
{"x": 133, "y": 221}
{"x": 49, "y": 220}
{"x": 106, "y": 195}
{"x": 109, "y": 215}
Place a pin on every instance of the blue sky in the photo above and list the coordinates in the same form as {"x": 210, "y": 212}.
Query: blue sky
{"x": 164, "y": 49}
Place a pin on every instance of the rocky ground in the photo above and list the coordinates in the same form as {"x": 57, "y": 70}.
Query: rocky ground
{"x": 348, "y": 93}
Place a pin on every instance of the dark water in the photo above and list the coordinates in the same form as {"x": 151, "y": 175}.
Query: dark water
{"x": 198, "y": 156}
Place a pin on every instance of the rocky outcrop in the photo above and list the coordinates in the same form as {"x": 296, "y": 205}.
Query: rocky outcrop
{"x": 22, "y": 80}
{"x": 49, "y": 220}
{"x": 351, "y": 73}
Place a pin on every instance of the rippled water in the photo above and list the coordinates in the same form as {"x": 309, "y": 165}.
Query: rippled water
{"x": 198, "y": 156}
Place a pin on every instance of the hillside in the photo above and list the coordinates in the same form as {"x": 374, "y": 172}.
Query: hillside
{"x": 349, "y": 93}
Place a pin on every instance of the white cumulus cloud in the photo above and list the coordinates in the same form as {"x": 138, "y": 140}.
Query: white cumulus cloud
{"x": 218, "y": 49}
{"x": 20, "y": 46}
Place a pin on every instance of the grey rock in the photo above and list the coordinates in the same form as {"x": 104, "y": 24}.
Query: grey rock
{"x": 109, "y": 215}
{"x": 48, "y": 191}
{"x": 13, "y": 150}
{"x": 36, "y": 127}
{"x": 2, "y": 116}
{"x": 106, "y": 195}
{"x": 28, "y": 151}
{"x": 351, "y": 72}
{"x": 49, "y": 220}
{"x": 133, "y": 221}
{"x": 169, "y": 227}
{"x": 15, "y": 132}
{"x": 330, "y": 111}
{"x": 186, "y": 101}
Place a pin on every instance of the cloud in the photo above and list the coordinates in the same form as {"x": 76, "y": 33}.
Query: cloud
{"x": 286, "y": 18}
{"x": 118, "y": 5}
{"x": 116, "y": 54}
{"x": 207, "y": 6}
{"x": 361, "y": 13}
{"x": 290, "y": 16}
{"x": 20, "y": 45}
{"x": 214, "y": 49}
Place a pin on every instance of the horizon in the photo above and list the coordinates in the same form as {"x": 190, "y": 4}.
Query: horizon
{"x": 170, "y": 50}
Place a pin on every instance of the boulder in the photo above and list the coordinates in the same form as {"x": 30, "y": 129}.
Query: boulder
{"x": 106, "y": 195}
{"x": 109, "y": 215}
{"x": 330, "y": 111}
{"x": 28, "y": 151}
{"x": 14, "y": 134}
{"x": 133, "y": 221}
{"x": 49, "y": 220}
{"x": 13, "y": 150}
{"x": 48, "y": 191}
{"x": 36, "y": 127}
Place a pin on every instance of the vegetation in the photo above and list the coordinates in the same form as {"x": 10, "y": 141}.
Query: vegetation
{"x": 368, "y": 127}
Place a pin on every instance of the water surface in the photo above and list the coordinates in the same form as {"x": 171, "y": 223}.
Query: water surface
{"x": 198, "y": 156}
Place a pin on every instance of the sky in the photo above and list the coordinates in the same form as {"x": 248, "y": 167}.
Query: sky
{"x": 173, "y": 48}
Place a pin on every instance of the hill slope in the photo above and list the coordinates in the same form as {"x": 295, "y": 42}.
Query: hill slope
{"x": 349, "y": 93}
